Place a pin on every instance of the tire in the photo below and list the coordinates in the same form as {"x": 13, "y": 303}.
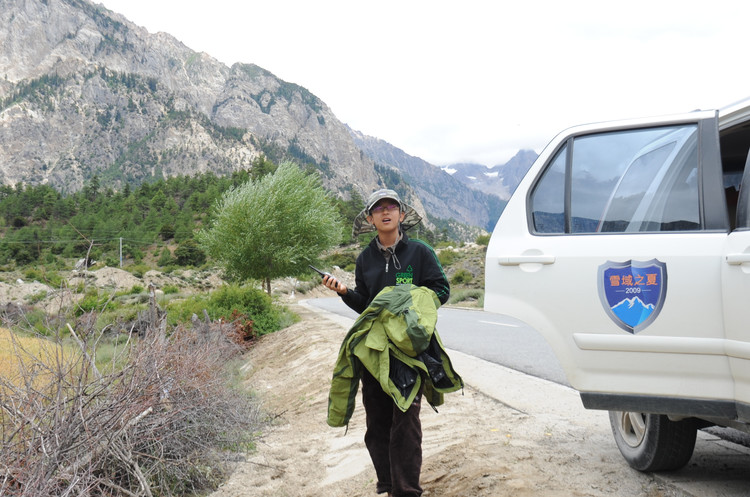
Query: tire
{"x": 651, "y": 442}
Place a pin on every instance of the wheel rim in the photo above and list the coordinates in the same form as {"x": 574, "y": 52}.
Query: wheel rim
{"x": 632, "y": 427}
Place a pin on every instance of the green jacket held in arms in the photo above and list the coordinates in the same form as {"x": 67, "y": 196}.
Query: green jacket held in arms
{"x": 395, "y": 339}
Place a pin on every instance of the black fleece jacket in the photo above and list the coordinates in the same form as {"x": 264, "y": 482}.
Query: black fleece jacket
{"x": 414, "y": 263}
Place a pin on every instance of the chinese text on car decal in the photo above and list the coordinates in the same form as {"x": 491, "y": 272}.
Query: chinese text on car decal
{"x": 633, "y": 292}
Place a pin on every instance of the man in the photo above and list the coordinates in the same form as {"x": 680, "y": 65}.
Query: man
{"x": 393, "y": 438}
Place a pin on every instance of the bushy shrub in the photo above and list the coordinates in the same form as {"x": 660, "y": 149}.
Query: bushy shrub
{"x": 165, "y": 258}
{"x": 94, "y": 301}
{"x": 32, "y": 274}
{"x": 446, "y": 257}
{"x": 37, "y": 320}
{"x": 166, "y": 232}
{"x": 51, "y": 278}
{"x": 170, "y": 289}
{"x": 189, "y": 254}
{"x": 461, "y": 277}
{"x": 37, "y": 297}
{"x": 252, "y": 303}
{"x": 471, "y": 295}
{"x": 138, "y": 270}
{"x": 483, "y": 240}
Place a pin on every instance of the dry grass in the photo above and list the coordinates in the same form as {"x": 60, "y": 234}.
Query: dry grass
{"x": 8, "y": 359}
{"x": 18, "y": 353}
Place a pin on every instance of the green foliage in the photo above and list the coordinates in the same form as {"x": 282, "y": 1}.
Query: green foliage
{"x": 33, "y": 274}
{"x": 272, "y": 227}
{"x": 37, "y": 297}
{"x": 483, "y": 240}
{"x": 94, "y": 301}
{"x": 37, "y": 223}
{"x": 348, "y": 210}
{"x": 461, "y": 277}
{"x": 167, "y": 232}
{"x": 170, "y": 289}
{"x": 390, "y": 176}
{"x": 165, "y": 258}
{"x": 189, "y": 254}
{"x": 138, "y": 270}
{"x": 446, "y": 257}
{"x": 227, "y": 303}
{"x": 37, "y": 320}
{"x": 39, "y": 91}
{"x": 261, "y": 167}
{"x": 474, "y": 296}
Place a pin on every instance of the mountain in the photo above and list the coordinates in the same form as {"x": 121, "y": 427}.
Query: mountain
{"x": 85, "y": 93}
{"x": 442, "y": 195}
{"x": 633, "y": 311}
{"x": 500, "y": 180}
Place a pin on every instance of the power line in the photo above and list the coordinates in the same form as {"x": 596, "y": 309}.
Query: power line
{"x": 76, "y": 240}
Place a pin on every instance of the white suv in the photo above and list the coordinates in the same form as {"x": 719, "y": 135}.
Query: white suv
{"x": 627, "y": 245}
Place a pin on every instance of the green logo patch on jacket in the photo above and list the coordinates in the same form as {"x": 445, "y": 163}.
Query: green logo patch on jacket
{"x": 405, "y": 278}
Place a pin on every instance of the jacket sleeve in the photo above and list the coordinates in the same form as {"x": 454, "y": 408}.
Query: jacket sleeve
{"x": 357, "y": 298}
{"x": 433, "y": 276}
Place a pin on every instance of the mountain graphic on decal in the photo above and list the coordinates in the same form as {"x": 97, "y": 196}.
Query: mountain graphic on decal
{"x": 633, "y": 311}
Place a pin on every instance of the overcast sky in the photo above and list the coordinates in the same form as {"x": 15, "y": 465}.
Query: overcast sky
{"x": 475, "y": 81}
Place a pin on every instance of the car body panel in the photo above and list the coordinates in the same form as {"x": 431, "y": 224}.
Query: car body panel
{"x": 696, "y": 350}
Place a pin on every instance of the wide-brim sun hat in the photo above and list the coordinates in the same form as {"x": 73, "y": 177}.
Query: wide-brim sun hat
{"x": 362, "y": 225}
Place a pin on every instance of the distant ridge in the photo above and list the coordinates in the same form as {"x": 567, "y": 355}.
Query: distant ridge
{"x": 500, "y": 180}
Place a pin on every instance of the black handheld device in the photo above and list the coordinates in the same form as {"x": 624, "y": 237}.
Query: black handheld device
{"x": 324, "y": 274}
{"x": 321, "y": 273}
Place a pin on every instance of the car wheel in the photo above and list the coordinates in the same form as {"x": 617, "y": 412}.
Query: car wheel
{"x": 651, "y": 442}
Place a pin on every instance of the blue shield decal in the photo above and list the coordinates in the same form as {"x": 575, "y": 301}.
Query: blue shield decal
{"x": 633, "y": 292}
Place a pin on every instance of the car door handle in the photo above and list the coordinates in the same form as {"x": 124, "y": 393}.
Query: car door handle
{"x": 517, "y": 260}
{"x": 737, "y": 259}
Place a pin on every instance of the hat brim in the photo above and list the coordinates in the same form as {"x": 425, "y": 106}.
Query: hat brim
{"x": 362, "y": 225}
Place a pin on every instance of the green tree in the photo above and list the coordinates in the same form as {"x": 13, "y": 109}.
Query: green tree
{"x": 189, "y": 254}
{"x": 165, "y": 259}
{"x": 260, "y": 167}
{"x": 272, "y": 227}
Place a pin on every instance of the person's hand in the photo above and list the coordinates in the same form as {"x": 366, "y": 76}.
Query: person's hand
{"x": 334, "y": 284}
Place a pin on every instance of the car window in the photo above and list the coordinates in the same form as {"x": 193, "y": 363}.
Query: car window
{"x": 623, "y": 181}
{"x": 548, "y": 198}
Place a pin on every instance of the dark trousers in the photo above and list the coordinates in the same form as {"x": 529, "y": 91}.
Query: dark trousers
{"x": 394, "y": 440}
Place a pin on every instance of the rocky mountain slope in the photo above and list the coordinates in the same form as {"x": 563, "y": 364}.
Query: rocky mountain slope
{"x": 84, "y": 92}
{"x": 500, "y": 180}
{"x": 443, "y": 195}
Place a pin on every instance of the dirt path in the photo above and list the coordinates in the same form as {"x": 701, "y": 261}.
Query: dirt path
{"x": 474, "y": 447}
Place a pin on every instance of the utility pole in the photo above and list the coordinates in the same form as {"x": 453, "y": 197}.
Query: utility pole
{"x": 120, "y": 252}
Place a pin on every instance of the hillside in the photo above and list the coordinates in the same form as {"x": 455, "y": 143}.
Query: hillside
{"x": 86, "y": 93}
{"x": 443, "y": 195}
